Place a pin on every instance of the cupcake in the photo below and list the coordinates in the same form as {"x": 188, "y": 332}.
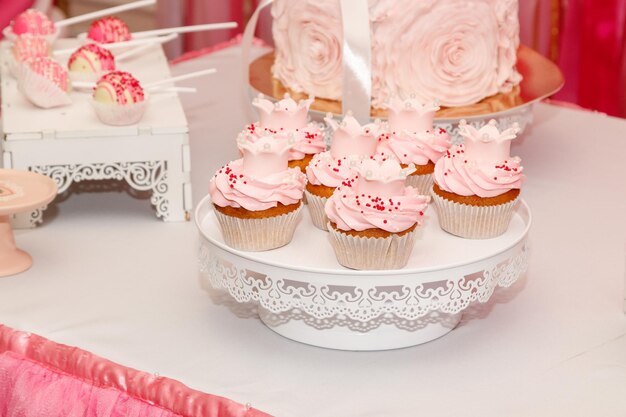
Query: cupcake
{"x": 119, "y": 99}
{"x": 44, "y": 82}
{"x": 109, "y": 29}
{"x": 25, "y": 48}
{"x": 411, "y": 138}
{"x": 31, "y": 22}
{"x": 477, "y": 184}
{"x": 372, "y": 219}
{"x": 89, "y": 62}
{"x": 350, "y": 143}
{"x": 258, "y": 198}
{"x": 287, "y": 120}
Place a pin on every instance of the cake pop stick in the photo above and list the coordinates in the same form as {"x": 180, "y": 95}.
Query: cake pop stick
{"x": 184, "y": 29}
{"x": 121, "y": 45}
{"x": 104, "y": 12}
{"x": 139, "y": 49}
{"x": 160, "y": 84}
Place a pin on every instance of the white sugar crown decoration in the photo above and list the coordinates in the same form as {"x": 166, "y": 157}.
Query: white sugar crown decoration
{"x": 264, "y": 156}
{"x": 487, "y": 144}
{"x": 410, "y": 115}
{"x": 382, "y": 177}
{"x": 285, "y": 114}
{"x": 350, "y": 138}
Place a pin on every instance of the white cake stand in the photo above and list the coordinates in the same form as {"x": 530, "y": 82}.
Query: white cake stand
{"x": 303, "y": 294}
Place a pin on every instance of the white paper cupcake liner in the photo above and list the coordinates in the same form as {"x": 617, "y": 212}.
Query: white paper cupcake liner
{"x": 473, "y": 222}
{"x": 40, "y": 91}
{"x": 120, "y": 114}
{"x": 15, "y": 66}
{"x": 258, "y": 234}
{"x": 368, "y": 253}
{"x": 423, "y": 183}
{"x": 316, "y": 208}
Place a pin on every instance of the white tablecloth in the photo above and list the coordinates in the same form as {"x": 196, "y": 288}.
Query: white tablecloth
{"x": 111, "y": 279}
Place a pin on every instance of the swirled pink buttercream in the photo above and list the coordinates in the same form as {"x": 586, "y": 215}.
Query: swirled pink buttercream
{"x": 231, "y": 187}
{"x": 454, "y": 51}
{"x": 376, "y": 197}
{"x": 326, "y": 170}
{"x": 483, "y": 165}
{"x": 350, "y": 210}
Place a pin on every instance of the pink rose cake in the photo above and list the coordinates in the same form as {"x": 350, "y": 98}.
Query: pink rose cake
{"x": 455, "y": 51}
{"x": 477, "y": 184}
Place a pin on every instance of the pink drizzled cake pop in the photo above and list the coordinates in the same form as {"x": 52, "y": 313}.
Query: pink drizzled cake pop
{"x": 108, "y": 30}
{"x": 26, "y": 47}
{"x": 119, "y": 99}
{"x": 32, "y": 22}
{"x": 45, "y": 82}
{"x": 90, "y": 60}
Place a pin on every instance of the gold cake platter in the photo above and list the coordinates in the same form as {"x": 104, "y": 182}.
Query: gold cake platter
{"x": 541, "y": 79}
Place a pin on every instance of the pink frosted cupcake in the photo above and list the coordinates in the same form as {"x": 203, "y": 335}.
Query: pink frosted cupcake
{"x": 90, "y": 62}
{"x": 412, "y": 139}
{"x": 351, "y": 142}
{"x": 372, "y": 219}
{"x": 24, "y": 48}
{"x": 287, "y": 120}
{"x": 477, "y": 184}
{"x": 119, "y": 99}
{"x": 258, "y": 198}
{"x": 108, "y": 30}
{"x": 32, "y": 22}
{"x": 45, "y": 83}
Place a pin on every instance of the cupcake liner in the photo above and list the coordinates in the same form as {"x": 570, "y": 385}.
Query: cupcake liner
{"x": 120, "y": 114}
{"x": 316, "y": 208}
{"x": 15, "y": 66}
{"x": 423, "y": 182}
{"x": 258, "y": 234}
{"x": 369, "y": 253}
{"x": 40, "y": 91}
{"x": 473, "y": 222}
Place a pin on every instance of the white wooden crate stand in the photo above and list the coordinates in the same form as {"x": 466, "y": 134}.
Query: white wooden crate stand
{"x": 69, "y": 144}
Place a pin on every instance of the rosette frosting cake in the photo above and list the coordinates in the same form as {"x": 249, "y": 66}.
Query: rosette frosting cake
{"x": 454, "y": 51}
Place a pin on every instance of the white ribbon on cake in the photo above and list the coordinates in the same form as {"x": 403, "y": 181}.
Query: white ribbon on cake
{"x": 357, "y": 61}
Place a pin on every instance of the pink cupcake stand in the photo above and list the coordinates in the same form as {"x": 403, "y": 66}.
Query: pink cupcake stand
{"x": 20, "y": 191}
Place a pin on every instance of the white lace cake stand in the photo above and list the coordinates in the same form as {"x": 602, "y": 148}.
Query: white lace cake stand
{"x": 302, "y": 293}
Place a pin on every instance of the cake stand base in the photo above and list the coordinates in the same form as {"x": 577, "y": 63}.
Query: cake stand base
{"x": 341, "y": 337}
{"x": 12, "y": 263}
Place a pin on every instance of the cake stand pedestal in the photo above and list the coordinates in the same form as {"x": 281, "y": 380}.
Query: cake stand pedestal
{"x": 301, "y": 292}
{"x": 20, "y": 191}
